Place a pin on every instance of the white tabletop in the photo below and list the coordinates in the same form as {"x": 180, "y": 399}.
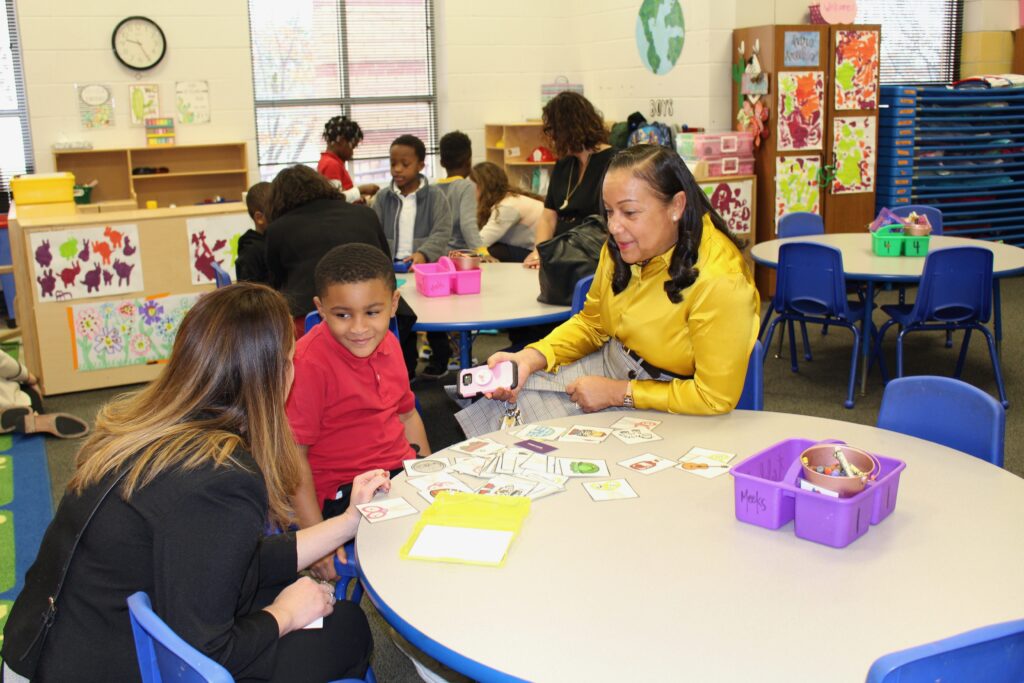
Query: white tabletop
{"x": 508, "y": 296}
{"x": 670, "y": 586}
{"x": 859, "y": 262}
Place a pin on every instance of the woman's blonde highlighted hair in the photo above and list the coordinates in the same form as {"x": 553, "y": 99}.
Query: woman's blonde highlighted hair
{"x": 223, "y": 389}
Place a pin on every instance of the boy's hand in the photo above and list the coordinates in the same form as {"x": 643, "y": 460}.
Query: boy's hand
{"x": 323, "y": 569}
{"x": 417, "y": 258}
{"x": 368, "y": 189}
{"x": 365, "y": 485}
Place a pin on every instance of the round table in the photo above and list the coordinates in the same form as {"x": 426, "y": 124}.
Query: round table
{"x": 507, "y": 298}
{"x": 862, "y": 265}
{"x": 670, "y": 586}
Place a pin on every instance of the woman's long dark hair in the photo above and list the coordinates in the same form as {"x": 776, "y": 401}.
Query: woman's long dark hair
{"x": 297, "y": 186}
{"x": 666, "y": 175}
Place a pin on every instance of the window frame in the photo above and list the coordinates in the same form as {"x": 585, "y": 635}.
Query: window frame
{"x": 954, "y": 28}
{"x": 21, "y": 111}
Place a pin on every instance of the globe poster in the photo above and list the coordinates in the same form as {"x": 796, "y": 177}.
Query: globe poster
{"x": 660, "y": 33}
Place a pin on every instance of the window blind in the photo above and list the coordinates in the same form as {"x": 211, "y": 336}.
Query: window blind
{"x": 920, "y": 38}
{"x": 369, "y": 60}
{"x": 15, "y": 139}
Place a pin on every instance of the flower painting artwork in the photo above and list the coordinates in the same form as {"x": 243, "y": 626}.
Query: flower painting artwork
{"x": 856, "y": 69}
{"x": 801, "y": 119}
{"x": 115, "y": 334}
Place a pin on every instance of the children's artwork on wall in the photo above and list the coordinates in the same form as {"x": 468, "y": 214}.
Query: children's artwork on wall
{"x": 86, "y": 262}
{"x": 734, "y": 201}
{"x": 214, "y": 239}
{"x": 854, "y": 154}
{"x": 856, "y": 69}
{"x": 192, "y": 101}
{"x": 95, "y": 105}
{"x": 802, "y": 48}
{"x": 143, "y": 102}
{"x": 796, "y": 185}
{"x": 801, "y": 94}
{"x": 115, "y": 334}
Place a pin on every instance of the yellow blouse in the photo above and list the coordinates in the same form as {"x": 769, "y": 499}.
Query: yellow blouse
{"x": 708, "y": 335}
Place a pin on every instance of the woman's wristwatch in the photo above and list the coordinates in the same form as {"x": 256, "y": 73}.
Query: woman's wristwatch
{"x": 627, "y": 400}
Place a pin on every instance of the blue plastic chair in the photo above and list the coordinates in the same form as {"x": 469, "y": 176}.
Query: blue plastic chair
{"x": 934, "y": 214}
{"x": 348, "y": 576}
{"x": 752, "y": 397}
{"x": 946, "y": 411}
{"x": 994, "y": 654}
{"x": 955, "y": 294}
{"x": 579, "y": 294}
{"x": 811, "y": 287}
{"x": 220, "y": 275}
{"x": 164, "y": 656}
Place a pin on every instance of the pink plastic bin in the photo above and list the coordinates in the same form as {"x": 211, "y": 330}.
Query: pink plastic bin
{"x": 715, "y": 145}
{"x": 730, "y": 166}
{"x": 768, "y": 494}
{"x": 441, "y": 279}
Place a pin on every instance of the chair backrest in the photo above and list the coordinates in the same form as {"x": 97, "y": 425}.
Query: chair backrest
{"x": 934, "y": 214}
{"x": 994, "y": 654}
{"x": 579, "y": 294}
{"x": 163, "y": 655}
{"x": 313, "y": 319}
{"x": 811, "y": 280}
{"x": 220, "y": 275}
{"x": 752, "y": 397}
{"x": 956, "y": 286}
{"x": 800, "y": 224}
{"x": 946, "y": 411}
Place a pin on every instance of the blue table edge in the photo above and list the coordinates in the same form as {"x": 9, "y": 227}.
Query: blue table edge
{"x": 462, "y": 664}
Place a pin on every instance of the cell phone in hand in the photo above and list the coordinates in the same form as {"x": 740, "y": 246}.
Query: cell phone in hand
{"x": 483, "y": 380}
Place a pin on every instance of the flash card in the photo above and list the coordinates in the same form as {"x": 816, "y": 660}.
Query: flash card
{"x": 536, "y": 446}
{"x": 703, "y": 467}
{"x": 718, "y": 456}
{"x": 614, "y": 489}
{"x": 478, "y": 447}
{"x": 505, "y": 485}
{"x": 576, "y": 467}
{"x": 634, "y": 422}
{"x": 635, "y": 435}
{"x": 471, "y": 465}
{"x": 432, "y": 484}
{"x": 648, "y": 463}
{"x": 421, "y": 466}
{"x": 584, "y": 434}
{"x": 385, "y": 509}
{"x": 543, "y": 432}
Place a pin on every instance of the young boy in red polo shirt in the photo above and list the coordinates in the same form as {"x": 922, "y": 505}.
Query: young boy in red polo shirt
{"x": 351, "y": 408}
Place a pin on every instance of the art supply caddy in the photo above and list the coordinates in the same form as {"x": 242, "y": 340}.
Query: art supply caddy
{"x": 445, "y": 277}
{"x": 893, "y": 235}
{"x": 769, "y": 491}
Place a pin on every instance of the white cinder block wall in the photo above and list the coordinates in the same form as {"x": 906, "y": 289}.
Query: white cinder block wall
{"x": 492, "y": 58}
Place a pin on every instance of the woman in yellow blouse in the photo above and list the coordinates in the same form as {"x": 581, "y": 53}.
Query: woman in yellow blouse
{"x": 670, "y": 318}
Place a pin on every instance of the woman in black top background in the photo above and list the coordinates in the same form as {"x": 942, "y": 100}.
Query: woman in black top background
{"x": 581, "y": 144}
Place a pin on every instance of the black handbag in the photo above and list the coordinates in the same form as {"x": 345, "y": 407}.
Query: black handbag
{"x": 568, "y": 257}
{"x": 36, "y": 607}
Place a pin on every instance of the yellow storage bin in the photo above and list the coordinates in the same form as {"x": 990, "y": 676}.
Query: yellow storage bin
{"x": 43, "y": 188}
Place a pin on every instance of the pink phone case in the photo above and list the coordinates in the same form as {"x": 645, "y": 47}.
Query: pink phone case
{"x": 481, "y": 379}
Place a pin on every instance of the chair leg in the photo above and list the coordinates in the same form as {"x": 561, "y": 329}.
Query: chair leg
{"x": 768, "y": 339}
{"x": 882, "y": 367}
{"x": 807, "y": 343}
{"x": 764, "y": 321}
{"x": 853, "y": 367}
{"x": 792, "y": 346}
{"x": 899, "y": 352}
{"x": 995, "y": 365}
{"x": 963, "y": 353}
{"x": 782, "y": 336}
{"x": 949, "y": 337}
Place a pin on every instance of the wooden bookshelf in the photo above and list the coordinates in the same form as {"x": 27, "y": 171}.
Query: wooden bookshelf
{"x": 196, "y": 173}
{"x": 516, "y": 140}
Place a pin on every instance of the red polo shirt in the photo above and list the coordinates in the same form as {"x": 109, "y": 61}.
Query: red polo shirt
{"x": 333, "y": 168}
{"x": 345, "y": 409}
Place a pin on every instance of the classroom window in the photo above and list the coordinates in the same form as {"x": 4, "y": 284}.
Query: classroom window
{"x": 15, "y": 141}
{"x": 372, "y": 61}
{"x": 920, "y": 38}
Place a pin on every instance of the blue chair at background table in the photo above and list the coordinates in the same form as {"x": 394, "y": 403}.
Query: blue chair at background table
{"x": 994, "y": 654}
{"x": 946, "y": 411}
{"x": 752, "y": 397}
{"x": 955, "y": 293}
{"x": 220, "y": 275}
{"x": 935, "y": 219}
{"x": 579, "y": 294}
{"x": 164, "y": 656}
{"x": 811, "y": 287}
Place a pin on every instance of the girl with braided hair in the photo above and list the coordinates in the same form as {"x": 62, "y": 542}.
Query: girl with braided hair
{"x": 342, "y": 136}
{"x": 670, "y": 319}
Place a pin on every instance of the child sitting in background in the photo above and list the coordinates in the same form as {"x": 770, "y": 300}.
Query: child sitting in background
{"x": 414, "y": 214}
{"x": 507, "y": 215}
{"x": 351, "y": 407}
{"x": 21, "y": 405}
{"x": 342, "y": 137}
{"x": 251, "y": 262}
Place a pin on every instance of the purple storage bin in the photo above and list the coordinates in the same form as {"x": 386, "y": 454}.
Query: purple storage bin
{"x": 767, "y": 494}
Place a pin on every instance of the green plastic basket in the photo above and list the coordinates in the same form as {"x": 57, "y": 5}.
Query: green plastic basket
{"x": 915, "y": 246}
{"x": 886, "y": 241}
{"x": 83, "y": 194}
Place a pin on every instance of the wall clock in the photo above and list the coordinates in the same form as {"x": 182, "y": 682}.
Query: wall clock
{"x": 138, "y": 43}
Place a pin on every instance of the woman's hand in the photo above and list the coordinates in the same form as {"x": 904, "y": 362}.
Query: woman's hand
{"x": 528, "y": 361}
{"x": 533, "y": 260}
{"x": 365, "y": 485}
{"x": 368, "y": 189}
{"x": 592, "y": 393}
{"x": 301, "y": 603}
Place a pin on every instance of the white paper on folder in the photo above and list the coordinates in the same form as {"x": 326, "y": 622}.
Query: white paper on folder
{"x": 460, "y": 543}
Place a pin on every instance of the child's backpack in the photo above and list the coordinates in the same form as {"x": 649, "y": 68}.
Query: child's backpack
{"x": 619, "y": 137}
{"x": 653, "y": 134}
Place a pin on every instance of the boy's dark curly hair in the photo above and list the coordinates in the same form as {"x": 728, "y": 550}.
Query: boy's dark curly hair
{"x": 297, "y": 186}
{"x": 666, "y": 175}
{"x": 572, "y": 124}
{"x": 257, "y": 198}
{"x": 456, "y": 150}
{"x": 350, "y": 263}
{"x": 414, "y": 142}
{"x": 342, "y": 128}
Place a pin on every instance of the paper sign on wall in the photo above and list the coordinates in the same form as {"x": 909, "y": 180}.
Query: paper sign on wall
{"x": 95, "y": 105}
{"x": 802, "y": 48}
{"x": 86, "y": 262}
{"x": 143, "y": 102}
{"x": 192, "y": 101}
{"x": 214, "y": 239}
{"x": 733, "y": 200}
